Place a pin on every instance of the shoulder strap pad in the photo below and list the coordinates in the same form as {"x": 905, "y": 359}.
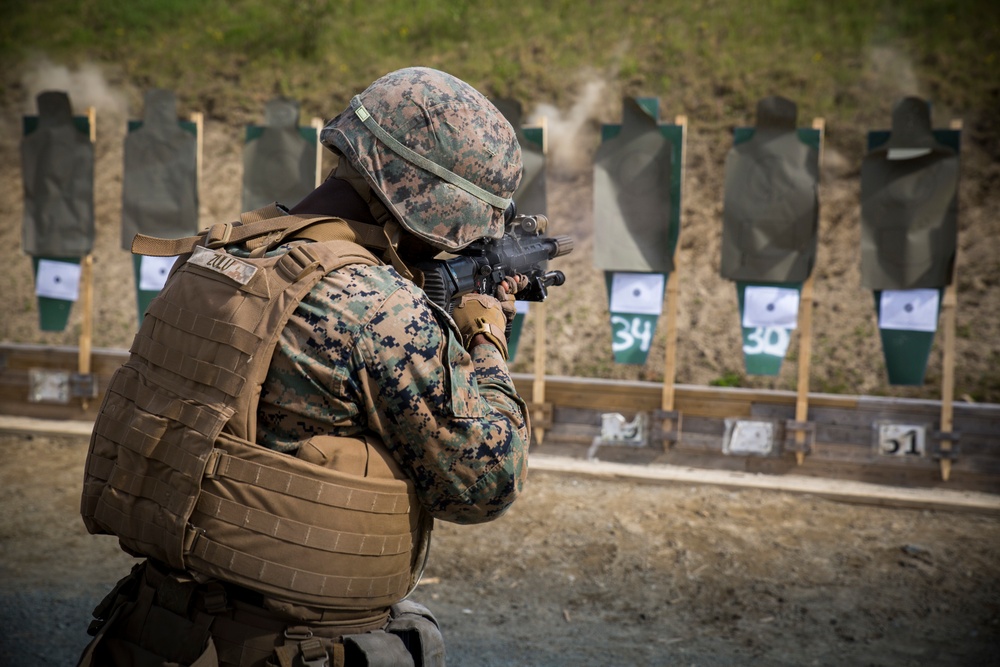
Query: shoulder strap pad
{"x": 262, "y": 229}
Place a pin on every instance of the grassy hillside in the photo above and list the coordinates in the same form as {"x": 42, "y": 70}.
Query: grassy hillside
{"x": 572, "y": 61}
{"x": 713, "y": 57}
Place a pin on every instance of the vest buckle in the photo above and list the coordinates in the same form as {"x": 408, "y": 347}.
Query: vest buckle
{"x": 191, "y": 536}
{"x": 212, "y": 464}
{"x": 218, "y": 234}
{"x": 313, "y": 653}
{"x": 214, "y": 598}
{"x": 298, "y": 633}
{"x": 298, "y": 262}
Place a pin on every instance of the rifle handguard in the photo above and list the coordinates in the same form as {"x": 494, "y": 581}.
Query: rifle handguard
{"x": 481, "y": 314}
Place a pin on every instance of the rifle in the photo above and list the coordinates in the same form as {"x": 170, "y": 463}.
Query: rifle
{"x": 482, "y": 265}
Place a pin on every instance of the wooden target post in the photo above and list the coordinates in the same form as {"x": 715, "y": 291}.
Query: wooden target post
{"x": 198, "y": 118}
{"x": 87, "y": 303}
{"x": 317, "y": 124}
{"x": 541, "y": 412}
{"x": 802, "y": 427}
{"x": 946, "y": 437}
{"x": 671, "y": 426}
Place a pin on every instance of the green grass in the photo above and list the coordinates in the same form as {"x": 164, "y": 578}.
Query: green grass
{"x": 728, "y": 379}
{"x": 815, "y": 51}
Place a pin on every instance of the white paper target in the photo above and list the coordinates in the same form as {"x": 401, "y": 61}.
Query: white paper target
{"x": 57, "y": 280}
{"x": 770, "y": 307}
{"x": 153, "y": 272}
{"x": 637, "y": 293}
{"x": 909, "y": 310}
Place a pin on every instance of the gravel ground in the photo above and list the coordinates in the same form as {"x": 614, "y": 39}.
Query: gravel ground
{"x": 585, "y": 572}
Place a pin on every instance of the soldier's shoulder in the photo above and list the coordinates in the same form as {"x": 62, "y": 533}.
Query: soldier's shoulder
{"x": 373, "y": 283}
{"x": 362, "y": 290}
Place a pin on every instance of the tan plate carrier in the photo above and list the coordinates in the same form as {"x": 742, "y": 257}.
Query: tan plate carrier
{"x": 173, "y": 470}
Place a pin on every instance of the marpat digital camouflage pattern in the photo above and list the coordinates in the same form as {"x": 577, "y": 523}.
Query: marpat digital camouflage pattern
{"x": 449, "y": 122}
{"x": 366, "y": 350}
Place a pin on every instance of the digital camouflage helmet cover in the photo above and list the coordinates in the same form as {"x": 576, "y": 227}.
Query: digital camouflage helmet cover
{"x": 439, "y": 155}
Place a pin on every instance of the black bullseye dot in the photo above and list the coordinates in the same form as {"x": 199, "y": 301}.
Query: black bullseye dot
{"x": 636, "y": 292}
{"x": 770, "y": 306}
{"x": 908, "y": 307}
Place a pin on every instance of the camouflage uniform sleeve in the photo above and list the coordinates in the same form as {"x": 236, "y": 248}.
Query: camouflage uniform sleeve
{"x": 453, "y": 420}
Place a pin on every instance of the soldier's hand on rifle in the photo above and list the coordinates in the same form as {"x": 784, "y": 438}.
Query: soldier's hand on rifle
{"x": 485, "y": 318}
{"x": 506, "y": 290}
{"x": 481, "y": 318}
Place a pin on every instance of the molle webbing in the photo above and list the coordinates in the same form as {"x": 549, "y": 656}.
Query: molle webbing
{"x": 173, "y": 470}
{"x": 317, "y": 534}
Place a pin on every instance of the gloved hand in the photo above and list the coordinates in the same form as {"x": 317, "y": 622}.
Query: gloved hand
{"x": 472, "y": 317}
{"x": 483, "y": 314}
{"x": 505, "y": 295}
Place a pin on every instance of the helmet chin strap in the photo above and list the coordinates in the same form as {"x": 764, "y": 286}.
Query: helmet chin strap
{"x": 392, "y": 232}
{"x": 390, "y": 226}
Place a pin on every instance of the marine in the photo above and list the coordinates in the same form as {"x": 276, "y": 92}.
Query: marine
{"x": 295, "y": 412}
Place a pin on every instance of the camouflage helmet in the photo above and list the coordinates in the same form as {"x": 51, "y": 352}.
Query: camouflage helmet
{"x": 439, "y": 155}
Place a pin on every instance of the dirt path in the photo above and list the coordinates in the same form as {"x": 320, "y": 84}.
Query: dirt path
{"x": 585, "y": 572}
